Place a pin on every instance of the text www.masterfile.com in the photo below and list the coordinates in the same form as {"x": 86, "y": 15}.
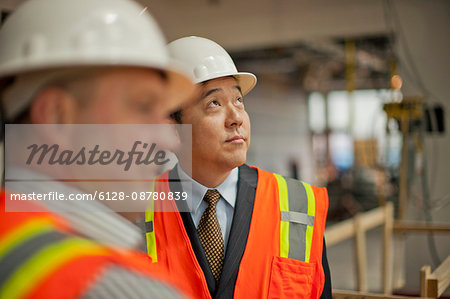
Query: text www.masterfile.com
{"x": 98, "y": 195}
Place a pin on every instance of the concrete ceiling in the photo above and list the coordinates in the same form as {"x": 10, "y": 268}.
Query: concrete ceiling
{"x": 238, "y": 24}
{"x": 302, "y": 26}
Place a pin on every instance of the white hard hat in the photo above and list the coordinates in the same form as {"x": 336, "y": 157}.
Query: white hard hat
{"x": 44, "y": 35}
{"x": 208, "y": 60}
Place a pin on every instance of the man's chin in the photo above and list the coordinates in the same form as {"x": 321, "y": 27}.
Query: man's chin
{"x": 237, "y": 162}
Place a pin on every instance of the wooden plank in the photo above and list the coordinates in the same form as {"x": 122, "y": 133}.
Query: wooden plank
{"x": 360, "y": 248}
{"x": 402, "y": 227}
{"x": 339, "y": 232}
{"x": 432, "y": 287}
{"x": 345, "y": 229}
{"x": 424, "y": 273}
{"x": 442, "y": 275}
{"x": 387, "y": 265}
{"x": 434, "y": 284}
{"x": 341, "y": 294}
{"x": 372, "y": 218}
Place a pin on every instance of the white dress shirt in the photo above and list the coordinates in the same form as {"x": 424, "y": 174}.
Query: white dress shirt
{"x": 225, "y": 206}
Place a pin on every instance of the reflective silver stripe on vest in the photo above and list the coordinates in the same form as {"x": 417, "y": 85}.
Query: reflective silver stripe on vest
{"x": 24, "y": 251}
{"x": 117, "y": 282}
{"x": 298, "y": 218}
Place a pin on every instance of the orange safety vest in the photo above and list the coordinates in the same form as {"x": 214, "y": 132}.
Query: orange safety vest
{"x": 43, "y": 257}
{"x": 283, "y": 254}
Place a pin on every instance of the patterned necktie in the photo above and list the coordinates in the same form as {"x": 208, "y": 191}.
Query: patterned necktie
{"x": 211, "y": 235}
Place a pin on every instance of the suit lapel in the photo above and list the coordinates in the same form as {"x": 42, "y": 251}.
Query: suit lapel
{"x": 240, "y": 227}
{"x": 175, "y": 185}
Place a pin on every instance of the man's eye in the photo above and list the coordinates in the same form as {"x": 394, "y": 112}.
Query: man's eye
{"x": 240, "y": 100}
{"x": 213, "y": 103}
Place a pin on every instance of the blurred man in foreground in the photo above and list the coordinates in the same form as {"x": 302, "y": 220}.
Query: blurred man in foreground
{"x": 80, "y": 62}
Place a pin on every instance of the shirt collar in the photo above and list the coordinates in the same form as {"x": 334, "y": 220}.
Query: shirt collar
{"x": 227, "y": 189}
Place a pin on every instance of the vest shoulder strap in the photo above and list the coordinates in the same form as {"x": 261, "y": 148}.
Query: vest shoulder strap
{"x": 161, "y": 185}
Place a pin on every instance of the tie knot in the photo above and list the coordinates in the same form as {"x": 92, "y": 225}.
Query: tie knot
{"x": 212, "y": 196}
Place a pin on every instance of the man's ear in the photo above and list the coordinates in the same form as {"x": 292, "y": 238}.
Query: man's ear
{"x": 53, "y": 105}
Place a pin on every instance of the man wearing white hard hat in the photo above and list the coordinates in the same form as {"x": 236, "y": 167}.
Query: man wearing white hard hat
{"x": 79, "y": 62}
{"x": 244, "y": 232}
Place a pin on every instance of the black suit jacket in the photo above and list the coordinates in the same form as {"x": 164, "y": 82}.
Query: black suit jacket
{"x": 237, "y": 240}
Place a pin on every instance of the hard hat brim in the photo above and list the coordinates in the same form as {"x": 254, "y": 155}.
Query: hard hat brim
{"x": 180, "y": 85}
{"x": 246, "y": 80}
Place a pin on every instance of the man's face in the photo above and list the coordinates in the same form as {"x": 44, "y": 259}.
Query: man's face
{"x": 126, "y": 96}
{"x": 123, "y": 96}
{"x": 220, "y": 126}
